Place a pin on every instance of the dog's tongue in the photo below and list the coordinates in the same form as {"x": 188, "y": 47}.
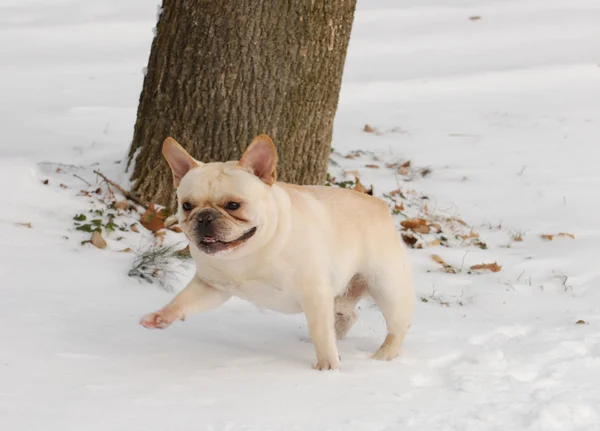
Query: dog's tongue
{"x": 208, "y": 239}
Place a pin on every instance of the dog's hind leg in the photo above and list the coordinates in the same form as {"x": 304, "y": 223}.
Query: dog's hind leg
{"x": 346, "y": 313}
{"x": 392, "y": 290}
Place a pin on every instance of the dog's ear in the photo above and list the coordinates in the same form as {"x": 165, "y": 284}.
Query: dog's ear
{"x": 179, "y": 160}
{"x": 260, "y": 158}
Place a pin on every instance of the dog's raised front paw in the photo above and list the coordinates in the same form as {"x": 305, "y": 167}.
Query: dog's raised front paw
{"x": 160, "y": 319}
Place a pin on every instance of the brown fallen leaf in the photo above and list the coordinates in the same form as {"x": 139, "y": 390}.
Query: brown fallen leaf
{"x": 122, "y": 205}
{"x": 97, "y": 240}
{"x": 409, "y": 240}
{"x": 176, "y": 229}
{"x": 547, "y": 237}
{"x": 425, "y": 172}
{"x": 153, "y": 219}
{"x": 398, "y": 208}
{"x": 135, "y": 229}
{"x": 404, "y": 168}
{"x": 569, "y": 235}
{"x": 415, "y": 224}
{"x": 475, "y": 18}
{"x": 27, "y": 225}
{"x": 494, "y": 267}
{"x": 359, "y": 187}
{"x": 372, "y": 166}
{"x": 184, "y": 252}
{"x": 434, "y": 243}
{"x": 518, "y": 238}
{"x": 580, "y": 322}
{"x": 369, "y": 129}
{"x": 125, "y": 250}
{"x": 63, "y": 186}
{"x": 45, "y": 182}
{"x": 471, "y": 234}
{"x": 447, "y": 267}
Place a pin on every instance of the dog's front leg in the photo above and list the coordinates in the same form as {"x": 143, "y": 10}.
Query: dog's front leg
{"x": 197, "y": 296}
{"x": 318, "y": 306}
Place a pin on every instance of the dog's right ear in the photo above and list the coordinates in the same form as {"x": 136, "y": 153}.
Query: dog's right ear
{"x": 179, "y": 160}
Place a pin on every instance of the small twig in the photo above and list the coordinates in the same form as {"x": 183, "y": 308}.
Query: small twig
{"x": 124, "y": 192}
{"x": 85, "y": 181}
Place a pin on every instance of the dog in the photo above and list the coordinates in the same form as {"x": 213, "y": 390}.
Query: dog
{"x": 312, "y": 249}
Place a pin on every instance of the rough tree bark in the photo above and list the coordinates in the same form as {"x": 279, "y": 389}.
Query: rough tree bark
{"x": 223, "y": 71}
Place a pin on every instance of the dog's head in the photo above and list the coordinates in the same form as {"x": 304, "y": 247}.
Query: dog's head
{"x": 225, "y": 208}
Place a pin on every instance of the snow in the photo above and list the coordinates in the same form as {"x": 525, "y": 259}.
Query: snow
{"x": 503, "y": 110}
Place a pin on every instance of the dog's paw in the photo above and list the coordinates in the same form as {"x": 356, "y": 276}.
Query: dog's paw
{"x": 325, "y": 364}
{"x": 160, "y": 319}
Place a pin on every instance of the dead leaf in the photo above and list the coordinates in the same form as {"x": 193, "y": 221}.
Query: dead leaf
{"x": 97, "y": 240}
{"x": 434, "y": 243}
{"x": 398, "y": 208}
{"x": 63, "y": 186}
{"x": 125, "y": 250}
{"x": 122, "y": 205}
{"x": 409, "y": 240}
{"x": 98, "y": 191}
{"x": 580, "y": 322}
{"x": 135, "y": 229}
{"x": 350, "y": 156}
{"x": 518, "y": 238}
{"x": 184, "y": 252}
{"x": 471, "y": 234}
{"x": 27, "y": 225}
{"x": 58, "y": 170}
{"x": 418, "y": 225}
{"x": 371, "y": 166}
{"x": 570, "y": 235}
{"x": 404, "y": 168}
{"x": 176, "y": 229}
{"x": 494, "y": 267}
{"x": 359, "y": 187}
{"x": 475, "y": 18}
{"x": 547, "y": 237}
{"x": 45, "y": 182}
{"x": 447, "y": 267}
{"x": 369, "y": 129}
{"x": 425, "y": 172}
{"x": 153, "y": 219}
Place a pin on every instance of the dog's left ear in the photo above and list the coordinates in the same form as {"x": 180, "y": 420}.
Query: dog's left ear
{"x": 260, "y": 158}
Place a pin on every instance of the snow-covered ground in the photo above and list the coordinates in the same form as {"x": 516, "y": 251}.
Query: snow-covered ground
{"x": 504, "y": 110}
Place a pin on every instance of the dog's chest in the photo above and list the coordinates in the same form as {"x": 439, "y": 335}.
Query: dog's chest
{"x": 264, "y": 294}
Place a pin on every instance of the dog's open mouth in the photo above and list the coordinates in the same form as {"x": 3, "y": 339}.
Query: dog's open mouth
{"x": 211, "y": 245}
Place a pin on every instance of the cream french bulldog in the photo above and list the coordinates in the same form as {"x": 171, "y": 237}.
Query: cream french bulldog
{"x": 311, "y": 249}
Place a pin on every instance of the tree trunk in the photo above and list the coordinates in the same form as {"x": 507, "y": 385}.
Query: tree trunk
{"x": 223, "y": 71}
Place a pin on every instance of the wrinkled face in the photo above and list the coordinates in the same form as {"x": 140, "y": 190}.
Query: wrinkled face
{"x": 224, "y": 206}
{"x": 219, "y": 207}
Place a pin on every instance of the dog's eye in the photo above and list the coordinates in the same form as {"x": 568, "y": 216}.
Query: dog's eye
{"x": 232, "y": 206}
{"x": 186, "y": 206}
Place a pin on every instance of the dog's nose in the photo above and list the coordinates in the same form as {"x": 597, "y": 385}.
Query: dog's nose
{"x": 206, "y": 218}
